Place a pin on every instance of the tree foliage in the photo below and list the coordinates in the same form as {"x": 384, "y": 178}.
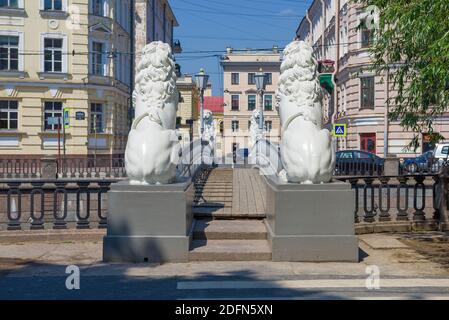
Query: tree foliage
{"x": 412, "y": 45}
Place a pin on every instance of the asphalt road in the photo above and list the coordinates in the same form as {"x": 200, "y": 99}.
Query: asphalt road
{"x": 227, "y": 288}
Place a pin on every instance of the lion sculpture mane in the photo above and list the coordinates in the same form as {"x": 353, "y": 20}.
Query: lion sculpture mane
{"x": 152, "y": 151}
{"x": 307, "y": 151}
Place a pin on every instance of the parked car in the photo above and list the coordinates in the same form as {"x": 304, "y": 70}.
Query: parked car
{"x": 419, "y": 164}
{"x": 357, "y": 162}
{"x": 440, "y": 155}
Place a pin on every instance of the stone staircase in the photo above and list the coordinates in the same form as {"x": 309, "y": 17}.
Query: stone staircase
{"x": 218, "y": 235}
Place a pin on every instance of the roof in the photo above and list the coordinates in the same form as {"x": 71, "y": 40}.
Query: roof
{"x": 214, "y": 104}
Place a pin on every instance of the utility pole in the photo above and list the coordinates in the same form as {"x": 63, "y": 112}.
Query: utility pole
{"x": 59, "y": 144}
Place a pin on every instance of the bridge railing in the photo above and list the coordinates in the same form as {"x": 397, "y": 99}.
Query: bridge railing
{"x": 385, "y": 199}
{"x": 37, "y": 204}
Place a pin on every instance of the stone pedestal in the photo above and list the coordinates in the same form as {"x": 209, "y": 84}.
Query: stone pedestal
{"x": 149, "y": 223}
{"x": 49, "y": 167}
{"x": 391, "y": 166}
{"x": 311, "y": 222}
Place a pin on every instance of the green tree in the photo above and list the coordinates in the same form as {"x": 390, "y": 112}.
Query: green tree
{"x": 412, "y": 46}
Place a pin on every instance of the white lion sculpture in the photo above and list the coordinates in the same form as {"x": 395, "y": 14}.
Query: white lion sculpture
{"x": 152, "y": 152}
{"x": 209, "y": 127}
{"x": 307, "y": 152}
{"x": 209, "y": 136}
{"x": 255, "y": 132}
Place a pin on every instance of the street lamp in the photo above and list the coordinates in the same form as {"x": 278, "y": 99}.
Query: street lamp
{"x": 202, "y": 80}
{"x": 260, "y": 78}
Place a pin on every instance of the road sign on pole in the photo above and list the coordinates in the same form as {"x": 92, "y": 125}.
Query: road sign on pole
{"x": 340, "y": 130}
{"x": 66, "y": 118}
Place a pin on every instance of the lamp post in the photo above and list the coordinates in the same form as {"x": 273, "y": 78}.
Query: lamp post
{"x": 260, "y": 78}
{"x": 201, "y": 81}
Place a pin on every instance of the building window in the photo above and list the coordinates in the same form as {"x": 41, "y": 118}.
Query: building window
{"x": 9, "y": 53}
{"x": 8, "y": 115}
{"x": 269, "y": 78}
{"x": 55, "y": 5}
{"x": 52, "y": 55}
{"x": 9, "y": 3}
{"x": 268, "y": 102}
{"x": 268, "y": 125}
{"x": 251, "y": 78}
{"x": 367, "y": 92}
{"x": 235, "y": 102}
{"x": 251, "y": 102}
{"x": 96, "y": 118}
{"x": 367, "y": 37}
{"x": 98, "y": 7}
{"x": 98, "y": 60}
{"x": 235, "y": 126}
{"x": 249, "y": 124}
{"x": 235, "y": 78}
{"x": 52, "y": 109}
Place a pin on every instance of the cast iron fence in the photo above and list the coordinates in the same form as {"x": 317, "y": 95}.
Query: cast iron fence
{"x": 37, "y": 204}
{"x": 397, "y": 198}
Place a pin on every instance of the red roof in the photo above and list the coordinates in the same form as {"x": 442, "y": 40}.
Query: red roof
{"x": 214, "y": 104}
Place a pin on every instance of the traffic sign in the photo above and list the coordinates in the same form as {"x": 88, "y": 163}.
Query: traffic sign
{"x": 340, "y": 130}
{"x": 66, "y": 118}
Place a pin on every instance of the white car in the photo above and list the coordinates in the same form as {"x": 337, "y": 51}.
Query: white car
{"x": 440, "y": 154}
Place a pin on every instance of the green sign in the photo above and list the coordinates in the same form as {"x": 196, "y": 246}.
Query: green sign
{"x": 66, "y": 118}
{"x": 340, "y": 130}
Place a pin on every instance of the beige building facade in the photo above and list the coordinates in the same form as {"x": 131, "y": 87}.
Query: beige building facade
{"x": 68, "y": 57}
{"x": 359, "y": 98}
{"x": 187, "y": 115}
{"x": 241, "y": 98}
{"x": 154, "y": 21}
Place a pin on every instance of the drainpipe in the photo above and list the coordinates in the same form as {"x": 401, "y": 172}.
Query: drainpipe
{"x": 337, "y": 57}
{"x": 387, "y": 109}
{"x": 323, "y": 8}
{"x": 153, "y": 18}
{"x": 132, "y": 44}
{"x": 164, "y": 28}
{"x": 310, "y": 37}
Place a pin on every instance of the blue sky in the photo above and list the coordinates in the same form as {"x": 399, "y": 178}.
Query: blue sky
{"x": 207, "y": 27}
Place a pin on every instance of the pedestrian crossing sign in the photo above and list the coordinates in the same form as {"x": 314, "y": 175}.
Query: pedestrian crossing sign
{"x": 339, "y": 130}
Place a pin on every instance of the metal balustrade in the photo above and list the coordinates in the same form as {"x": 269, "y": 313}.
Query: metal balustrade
{"x": 396, "y": 198}
{"x": 81, "y": 203}
{"x": 54, "y": 204}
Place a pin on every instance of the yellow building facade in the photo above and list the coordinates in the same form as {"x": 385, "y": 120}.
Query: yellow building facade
{"x": 187, "y": 115}
{"x": 70, "y": 57}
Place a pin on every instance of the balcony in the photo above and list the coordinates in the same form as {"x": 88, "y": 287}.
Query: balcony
{"x": 326, "y": 69}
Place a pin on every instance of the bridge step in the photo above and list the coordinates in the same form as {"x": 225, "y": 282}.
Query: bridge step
{"x": 230, "y": 250}
{"x": 224, "y": 213}
{"x": 209, "y": 229}
{"x": 218, "y": 204}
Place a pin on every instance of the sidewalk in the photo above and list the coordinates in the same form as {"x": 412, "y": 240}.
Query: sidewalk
{"x": 46, "y": 262}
